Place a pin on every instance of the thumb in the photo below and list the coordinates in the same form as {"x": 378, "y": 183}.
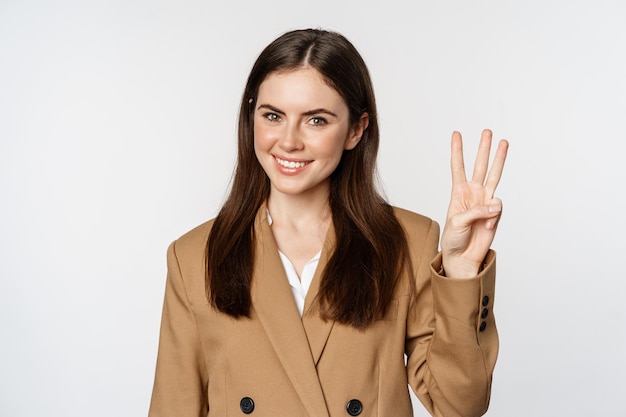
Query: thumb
{"x": 489, "y": 212}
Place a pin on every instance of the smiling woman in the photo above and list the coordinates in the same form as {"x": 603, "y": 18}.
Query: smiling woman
{"x": 303, "y": 296}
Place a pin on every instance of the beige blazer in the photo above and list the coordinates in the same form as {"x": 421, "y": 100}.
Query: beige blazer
{"x": 277, "y": 364}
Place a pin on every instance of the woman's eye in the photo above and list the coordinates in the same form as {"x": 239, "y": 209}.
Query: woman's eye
{"x": 317, "y": 121}
{"x": 272, "y": 117}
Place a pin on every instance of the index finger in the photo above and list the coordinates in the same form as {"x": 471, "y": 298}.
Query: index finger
{"x": 456, "y": 159}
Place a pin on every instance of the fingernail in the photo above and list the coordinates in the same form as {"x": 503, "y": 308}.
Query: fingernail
{"x": 495, "y": 209}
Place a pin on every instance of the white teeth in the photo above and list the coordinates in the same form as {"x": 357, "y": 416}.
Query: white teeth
{"x": 290, "y": 164}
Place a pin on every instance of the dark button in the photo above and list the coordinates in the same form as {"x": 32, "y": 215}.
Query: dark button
{"x": 247, "y": 405}
{"x": 485, "y": 313}
{"x": 354, "y": 407}
{"x": 483, "y": 326}
{"x": 485, "y": 300}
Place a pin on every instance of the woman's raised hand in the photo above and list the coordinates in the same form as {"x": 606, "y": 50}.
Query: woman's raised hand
{"x": 473, "y": 213}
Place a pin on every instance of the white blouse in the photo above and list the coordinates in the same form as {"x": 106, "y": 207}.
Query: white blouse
{"x": 299, "y": 286}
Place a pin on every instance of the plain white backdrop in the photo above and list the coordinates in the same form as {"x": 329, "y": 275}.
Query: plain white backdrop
{"x": 117, "y": 135}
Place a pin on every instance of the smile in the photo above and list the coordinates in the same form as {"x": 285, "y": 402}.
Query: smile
{"x": 291, "y": 164}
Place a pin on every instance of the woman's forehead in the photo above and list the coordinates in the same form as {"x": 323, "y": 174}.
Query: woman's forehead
{"x": 302, "y": 87}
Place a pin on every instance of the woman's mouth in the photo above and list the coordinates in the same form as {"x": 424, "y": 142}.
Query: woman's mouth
{"x": 291, "y": 164}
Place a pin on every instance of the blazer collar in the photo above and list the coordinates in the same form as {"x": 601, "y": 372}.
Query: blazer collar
{"x": 297, "y": 342}
{"x": 317, "y": 329}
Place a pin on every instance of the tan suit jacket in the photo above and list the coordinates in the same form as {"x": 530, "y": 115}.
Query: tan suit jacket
{"x": 277, "y": 364}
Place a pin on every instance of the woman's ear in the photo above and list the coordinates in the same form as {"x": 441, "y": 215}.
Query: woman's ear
{"x": 356, "y": 133}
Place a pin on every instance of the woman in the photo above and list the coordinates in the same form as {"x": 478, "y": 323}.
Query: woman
{"x": 305, "y": 293}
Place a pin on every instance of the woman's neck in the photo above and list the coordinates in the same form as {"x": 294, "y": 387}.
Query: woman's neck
{"x": 299, "y": 226}
{"x": 299, "y": 215}
{"x": 300, "y": 212}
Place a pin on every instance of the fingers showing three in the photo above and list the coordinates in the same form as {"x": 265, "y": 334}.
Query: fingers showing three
{"x": 481, "y": 166}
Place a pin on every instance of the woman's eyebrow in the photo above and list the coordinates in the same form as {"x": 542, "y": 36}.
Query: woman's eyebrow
{"x": 271, "y": 108}
{"x": 318, "y": 111}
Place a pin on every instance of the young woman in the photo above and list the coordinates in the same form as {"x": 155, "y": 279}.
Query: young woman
{"x": 303, "y": 296}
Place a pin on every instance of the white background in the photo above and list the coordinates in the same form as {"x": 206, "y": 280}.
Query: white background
{"x": 117, "y": 134}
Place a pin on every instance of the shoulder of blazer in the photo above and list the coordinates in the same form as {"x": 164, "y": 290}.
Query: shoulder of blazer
{"x": 422, "y": 234}
{"x": 413, "y": 223}
{"x": 192, "y": 245}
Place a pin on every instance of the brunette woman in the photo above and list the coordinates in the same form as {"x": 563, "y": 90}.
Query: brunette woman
{"x": 303, "y": 296}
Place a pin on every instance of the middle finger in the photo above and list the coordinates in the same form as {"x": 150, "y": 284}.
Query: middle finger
{"x": 482, "y": 157}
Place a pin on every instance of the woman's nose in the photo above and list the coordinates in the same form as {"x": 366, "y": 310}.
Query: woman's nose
{"x": 290, "y": 139}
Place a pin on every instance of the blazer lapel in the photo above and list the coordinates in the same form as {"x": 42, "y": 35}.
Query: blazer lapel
{"x": 317, "y": 329}
{"x": 273, "y": 302}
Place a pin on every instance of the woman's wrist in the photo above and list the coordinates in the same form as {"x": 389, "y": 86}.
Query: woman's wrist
{"x": 453, "y": 267}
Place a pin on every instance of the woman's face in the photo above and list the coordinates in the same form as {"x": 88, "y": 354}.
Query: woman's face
{"x": 301, "y": 128}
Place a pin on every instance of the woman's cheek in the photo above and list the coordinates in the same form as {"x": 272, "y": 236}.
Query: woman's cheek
{"x": 262, "y": 138}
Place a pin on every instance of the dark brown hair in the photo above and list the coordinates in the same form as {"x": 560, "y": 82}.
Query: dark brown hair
{"x": 371, "y": 248}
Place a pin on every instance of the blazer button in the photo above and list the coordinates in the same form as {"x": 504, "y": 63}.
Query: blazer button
{"x": 247, "y": 405}
{"x": 484, "y": 314}
{"x": 485, "y": 300}
{"x": 483, "y": 326}
{"x": 354, "y": 407}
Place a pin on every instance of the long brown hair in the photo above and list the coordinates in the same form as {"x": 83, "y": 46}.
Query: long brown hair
{"x": 371, "y": 249}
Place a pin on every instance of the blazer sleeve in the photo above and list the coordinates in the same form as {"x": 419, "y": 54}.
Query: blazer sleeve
{"x": 451, "y": 341}
{"x": 181, "y": 381}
